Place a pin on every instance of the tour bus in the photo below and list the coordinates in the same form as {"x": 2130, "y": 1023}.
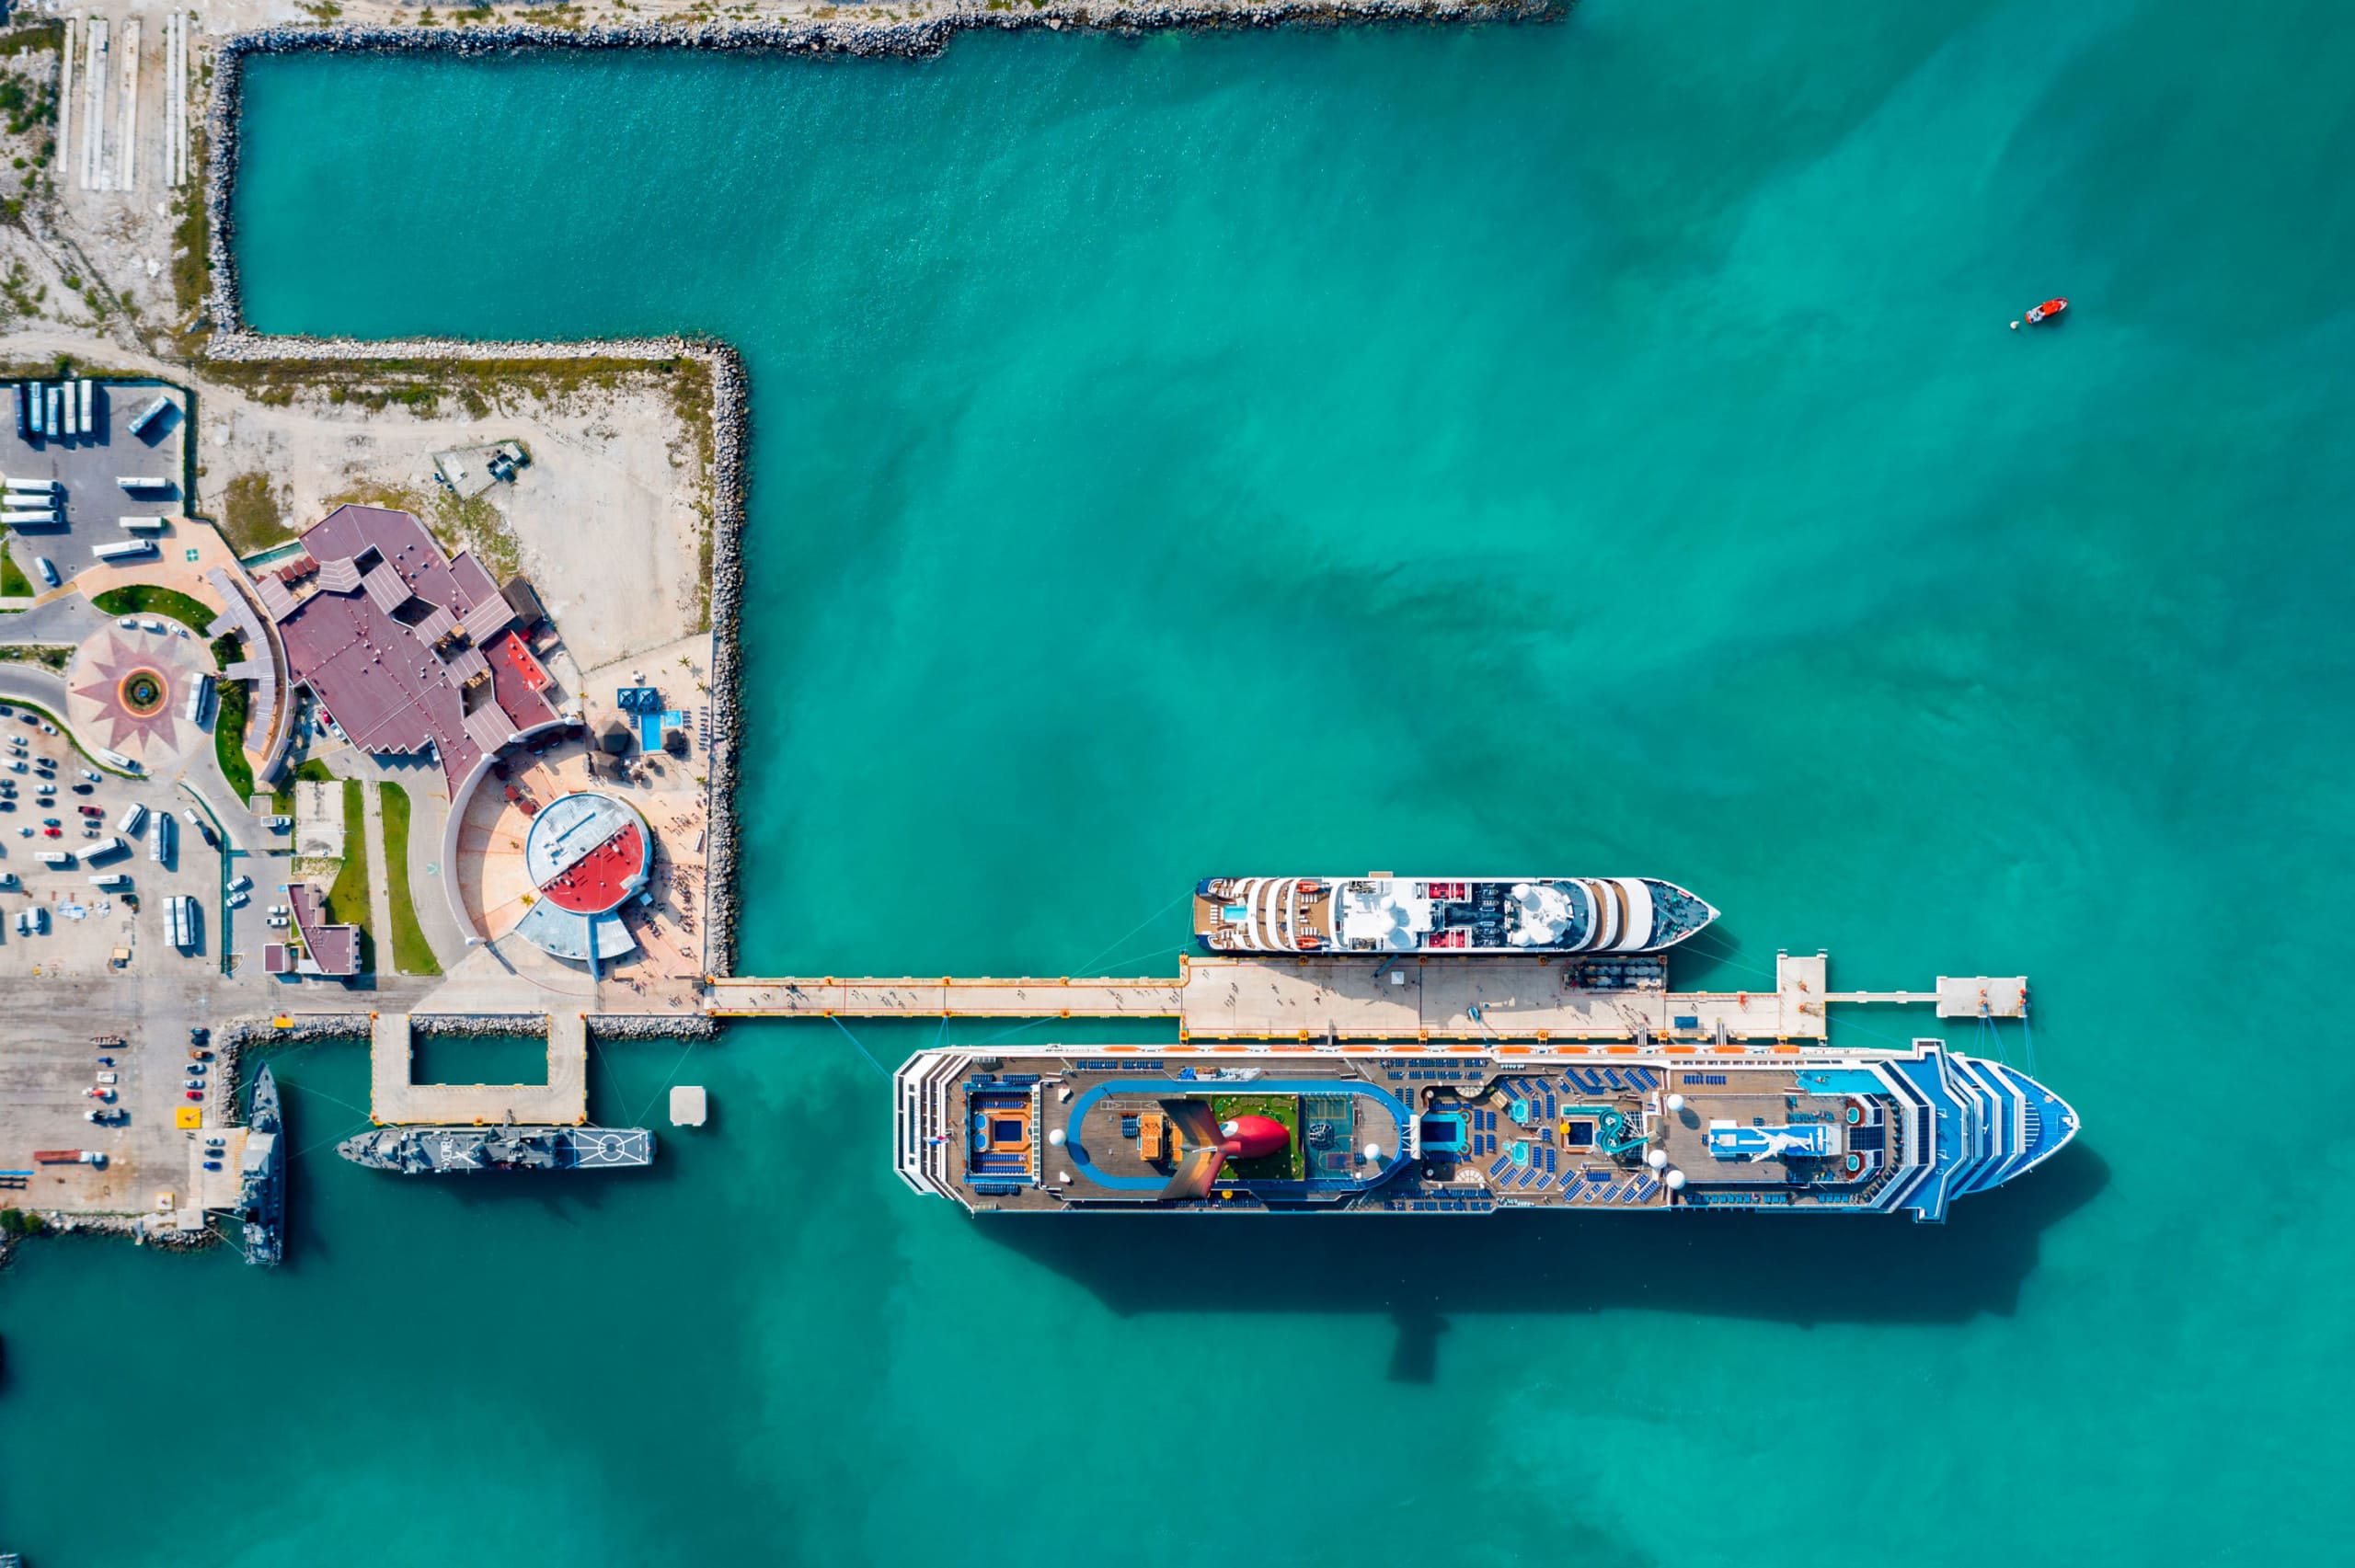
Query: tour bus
{"x": 127, "y": 550}
{"x": 118, "y": 760}
{"x": 148, "y": 414}
{"x": 134, "y": 817}
{"x": 200, "y": 699}
{"x": 181, "y": 909}
{"x": 142, "y": 524}
{"x": 160, "y": 833}
{"x": 21, "y": 520}
{"x": 142, "y": 482}
{"x": 88, "y": 428}
{"x": 110, "y": 881}
{"x": 38, "y": 487}
{"x": 49, "y": 396}
{"x": 109, "y": 846}
{"x": 29, "y": 403}
{"x": 57, "y": 857}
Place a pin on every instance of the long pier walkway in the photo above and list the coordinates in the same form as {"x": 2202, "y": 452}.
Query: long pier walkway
{"x": 1336, "y": 999}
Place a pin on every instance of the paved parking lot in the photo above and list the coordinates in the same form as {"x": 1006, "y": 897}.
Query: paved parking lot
{"x": 88, "y": 925}
{"x": 91, "y": 469}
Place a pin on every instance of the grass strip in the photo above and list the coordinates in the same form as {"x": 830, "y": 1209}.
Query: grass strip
{"x": 229, "y": 738}
{"x": 412, "y": 955}
{"x": 147, "y": 599}
{"x": 14, "y": 584}
{"x": 347, "y": 900}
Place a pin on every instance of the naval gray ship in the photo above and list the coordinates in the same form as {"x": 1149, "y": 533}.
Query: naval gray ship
{"x": 413, "y": 1151}
{"x": 261, "y": 1174}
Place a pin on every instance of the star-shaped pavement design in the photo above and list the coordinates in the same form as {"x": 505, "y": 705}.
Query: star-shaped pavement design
{"x": 108, "y": 670}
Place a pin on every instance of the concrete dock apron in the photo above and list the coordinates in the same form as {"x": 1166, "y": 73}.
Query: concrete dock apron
{"x": 1328, "y": 999}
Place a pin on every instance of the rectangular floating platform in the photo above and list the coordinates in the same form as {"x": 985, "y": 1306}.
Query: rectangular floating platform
{"x": 688, "y": 1104}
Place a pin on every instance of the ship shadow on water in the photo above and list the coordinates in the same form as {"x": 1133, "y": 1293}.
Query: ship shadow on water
{"x": 1421, "y": 1270}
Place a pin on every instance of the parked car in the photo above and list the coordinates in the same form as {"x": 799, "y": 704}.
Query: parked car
{"x": 196, "y": 1066}
{"x": 196, "y": 1093}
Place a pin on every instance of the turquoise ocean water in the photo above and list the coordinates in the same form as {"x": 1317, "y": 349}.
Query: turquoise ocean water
{"x": 1586, "y": 448}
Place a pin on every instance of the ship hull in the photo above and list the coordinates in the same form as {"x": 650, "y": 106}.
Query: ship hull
{"x": 1465, "y": 917}
{"x": 465, "y": 1151}
{"x": 1379, "y": 1130}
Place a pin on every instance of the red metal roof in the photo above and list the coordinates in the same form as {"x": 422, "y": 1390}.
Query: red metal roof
{"x": 599, "y": 879}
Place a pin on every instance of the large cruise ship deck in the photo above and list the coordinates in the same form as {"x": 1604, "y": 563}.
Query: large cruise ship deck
{"x": 1078, "y": 1128}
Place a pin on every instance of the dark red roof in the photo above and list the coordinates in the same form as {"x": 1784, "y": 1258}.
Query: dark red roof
{"x": 333, "y": 949}
{"x": 385, "y": 683}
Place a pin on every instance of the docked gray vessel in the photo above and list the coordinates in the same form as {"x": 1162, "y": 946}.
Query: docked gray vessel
{"x": 261, "y": 1174}
{"x": 415, "y": 1150}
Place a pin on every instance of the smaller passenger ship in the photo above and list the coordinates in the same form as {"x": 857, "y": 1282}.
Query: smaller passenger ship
{"x": 1383, "y": 913}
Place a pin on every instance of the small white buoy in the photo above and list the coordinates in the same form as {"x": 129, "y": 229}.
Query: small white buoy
{"x": 1675, "y": 1180}
{"x": 1373, "y": 1152}
{"x": 1657, "y": 1159}
{"x": 2015, "y": 326}
{"x": 1056, "y": 1137}
{"x": 1676, "y": 1102}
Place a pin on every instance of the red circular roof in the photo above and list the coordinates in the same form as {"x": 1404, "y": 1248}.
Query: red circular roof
{"x": 603, "y": 877}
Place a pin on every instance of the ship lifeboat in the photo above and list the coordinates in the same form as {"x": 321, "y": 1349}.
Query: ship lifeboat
{"x": 2049, "y": 310}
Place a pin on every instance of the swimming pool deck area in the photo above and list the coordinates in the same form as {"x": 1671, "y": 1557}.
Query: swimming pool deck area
{"x": 1314, "y": 999}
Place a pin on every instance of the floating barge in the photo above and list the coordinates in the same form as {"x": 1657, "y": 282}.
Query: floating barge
{"x": 1074, "y": 1129}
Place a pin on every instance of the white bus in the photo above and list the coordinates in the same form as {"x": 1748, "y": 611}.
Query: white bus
{"x": 181, "y": 909}
{"x": 143, "y": 482}
{"x": 19, "y": 519}
{"x": 118, "y": 760}
{"x": 107, "y": 847}
{"x": 49, "y": 396}
{"x": 160, "y": 835}
{"x": 37, "y": 487}
{"x": 110, "y": 881}
{"x": 200, "y": 699}
{"x": 148, "y": 414}
{"x": 142, "y": 524}
{"x": 134, "y": 817}
{"x": 86, "y": 427}
{"x": 128, "y": 550}
{"x": 57, "y": 857}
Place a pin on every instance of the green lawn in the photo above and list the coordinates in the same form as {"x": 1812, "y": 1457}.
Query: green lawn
{"x": 147, "y": 598}
{"x": 14, "y": 584}
{"x": 347, "y": 900}
{"x": 229, "y": 738}
{"x": 411, "y": 955}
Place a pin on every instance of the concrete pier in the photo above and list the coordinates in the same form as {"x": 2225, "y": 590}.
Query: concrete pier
{"x": 1338, "y": 999}
{"x": 393, "y": 1100}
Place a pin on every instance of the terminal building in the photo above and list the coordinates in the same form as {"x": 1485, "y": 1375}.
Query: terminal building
{"x": 586, "y": 855}
{"x": 409, "y": 650}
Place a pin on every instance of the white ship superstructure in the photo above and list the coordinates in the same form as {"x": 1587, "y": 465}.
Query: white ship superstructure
{"x": 1413, "y": 914}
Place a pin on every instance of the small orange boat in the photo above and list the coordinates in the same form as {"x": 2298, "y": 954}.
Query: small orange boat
{"x": 2046, "y": 311}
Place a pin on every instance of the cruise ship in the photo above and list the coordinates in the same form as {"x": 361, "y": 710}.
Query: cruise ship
{"x": 1295, "y": 1129}
{"x": 1383, "y": 913}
